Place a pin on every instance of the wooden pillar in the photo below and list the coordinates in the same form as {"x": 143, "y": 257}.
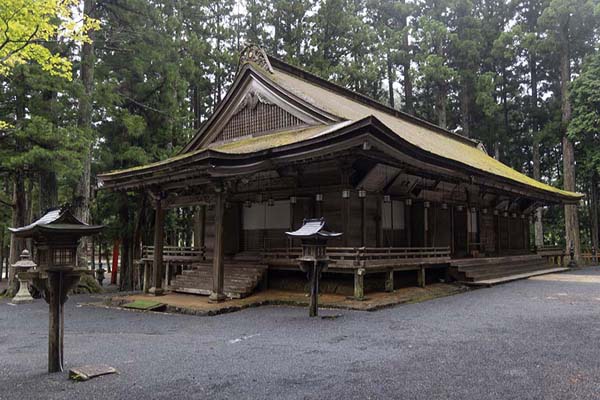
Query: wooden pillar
{"x": 314, "y": 291}
{"x": 200, "y": 228}
{"x": 345, "y": 221}
{"x": 421, "y": 276}
{"x": 452, "y": 245}
{"x": 408, "y": 224}
{"x": 218, "y": 272}
{"x": 157, "y": 262}
{"x": 146, "y": 285}
{"x": 379, "y": 223}
{"x": 55, "y": 322}
{"x": 346, "y": 172}
{"x": 389, "y": 280}
{"x": 359, "y": 284}
{"x": 425, "y": 224}
{"x": 363, "y": 221}
{"x": 508, "y": 226}
{"x": 498, "y": 234}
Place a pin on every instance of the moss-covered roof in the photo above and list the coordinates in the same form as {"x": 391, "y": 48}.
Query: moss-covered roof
{"x": 441, "y": 144}
{"x": 352, "y": 107}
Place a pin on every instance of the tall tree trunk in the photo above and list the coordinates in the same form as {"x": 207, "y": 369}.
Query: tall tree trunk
{"x": 440, "y": 105}
{"x": 82, "y": 202}
{"x": 125, "y": 273}
{"x": 408, "y": 87}
{"x": 19, "y": 219}
{"x": 390, "y": 78}
{"x": 571, "y": 217}
{"x": 48, "y": 186}
{"x": 538, "y": 228}
{"x": 594, "y": 210}
{"x": 465, "y": 108}
{"x": 137, "y": 231}
{"x": 195, "y": 106}
{"x": 505, "y": 102}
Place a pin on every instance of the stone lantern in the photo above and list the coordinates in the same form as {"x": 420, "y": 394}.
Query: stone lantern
{"x": 313, "y": 260}
{"x": 55, "y": 238}
{"x": 21, "y": 267}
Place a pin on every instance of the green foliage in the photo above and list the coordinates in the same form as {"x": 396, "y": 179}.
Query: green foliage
{"x": 584, "y": 127}
{"x": 161, "y": 67}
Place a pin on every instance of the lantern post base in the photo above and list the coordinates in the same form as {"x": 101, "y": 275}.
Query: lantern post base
{"x": 154, "y": 291}
{"x": 23, "y": 295}
{"x": 217, "y": 297}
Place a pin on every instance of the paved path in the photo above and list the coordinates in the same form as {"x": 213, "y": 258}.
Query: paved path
{"x": 534, "y": 339}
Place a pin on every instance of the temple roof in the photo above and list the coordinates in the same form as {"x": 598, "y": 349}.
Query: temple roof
{"x": 323, "y": 110}
{"x": 312, "y": 228}
{"x": 59, "y": 220}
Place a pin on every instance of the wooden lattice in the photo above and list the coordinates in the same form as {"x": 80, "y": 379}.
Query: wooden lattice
{"x": 260, "y": 119}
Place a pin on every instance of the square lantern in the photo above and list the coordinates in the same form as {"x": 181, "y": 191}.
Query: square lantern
{"x": 55, "y": 237}
{"x": 313, "y": 260}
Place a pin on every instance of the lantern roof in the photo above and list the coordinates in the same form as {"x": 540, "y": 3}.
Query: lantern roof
{"x": 312, "y": 228}
{"x": 57, "y": 221}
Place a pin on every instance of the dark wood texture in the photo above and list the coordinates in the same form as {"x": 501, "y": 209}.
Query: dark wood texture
{"x": 218, "y": 251}
{"x": 157, "y": 259}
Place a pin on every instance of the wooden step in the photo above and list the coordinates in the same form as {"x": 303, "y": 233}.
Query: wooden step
{"x": 474, "y": 270}
{"x": 514, "y": 277}
{"x": 240, "y": 279}
{"x": 489, "y": 266}
{"x": 482, "y": 275}
{"x": 463, "y": 262}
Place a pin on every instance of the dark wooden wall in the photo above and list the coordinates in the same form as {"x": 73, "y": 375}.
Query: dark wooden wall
{"x": 496, "y": 234}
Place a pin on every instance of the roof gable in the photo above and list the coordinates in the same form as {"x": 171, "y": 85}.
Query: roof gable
{"x": 255, "y": 106}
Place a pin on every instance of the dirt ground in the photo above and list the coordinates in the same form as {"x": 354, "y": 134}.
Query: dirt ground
{"x": 199, "y": 305}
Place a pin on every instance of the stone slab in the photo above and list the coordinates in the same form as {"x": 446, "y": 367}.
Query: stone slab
{"x": 87, "y": 372}
{"x": 510, "y": 278}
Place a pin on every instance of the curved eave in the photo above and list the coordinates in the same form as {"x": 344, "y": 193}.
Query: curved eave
{"x": 58, "y": 229}
{"x": 214, "y": 161}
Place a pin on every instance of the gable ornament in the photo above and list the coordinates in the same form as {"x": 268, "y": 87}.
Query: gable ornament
{"x": 251, "y": 100}
{"x": 255, "y": 54}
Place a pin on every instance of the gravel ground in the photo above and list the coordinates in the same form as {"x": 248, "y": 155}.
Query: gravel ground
{"x": 529, "y": 339}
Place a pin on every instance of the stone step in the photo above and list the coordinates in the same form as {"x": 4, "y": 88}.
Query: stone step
{"x": 500, "y": 272}
{"x": 514, "y": 277}
{"x": 480, "y": 267}
{"x": 491, "y": 260}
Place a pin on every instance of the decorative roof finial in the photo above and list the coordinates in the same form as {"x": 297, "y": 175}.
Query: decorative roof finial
{"x": 256, "y": 54}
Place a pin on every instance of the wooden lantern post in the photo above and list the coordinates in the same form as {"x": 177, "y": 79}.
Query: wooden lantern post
{"x": 313, "y": 260}
{"x": 55, "y": 239}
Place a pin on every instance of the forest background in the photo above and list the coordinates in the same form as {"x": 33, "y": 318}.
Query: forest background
{"x": 89, "y": 86}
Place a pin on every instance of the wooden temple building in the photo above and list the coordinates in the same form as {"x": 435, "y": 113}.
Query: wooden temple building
{"x": 284, "y": 145}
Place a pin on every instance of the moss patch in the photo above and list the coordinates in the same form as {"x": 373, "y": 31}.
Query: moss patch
{"x": 147, "y": 305}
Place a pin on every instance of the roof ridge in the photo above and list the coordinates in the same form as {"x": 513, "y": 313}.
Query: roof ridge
{"x": 352, "y": 95}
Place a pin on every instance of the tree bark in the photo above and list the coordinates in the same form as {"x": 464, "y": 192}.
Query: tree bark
{"x": 538, "y": 227}
{"x": 594, "y": 210}
{"x": 408, "y": 88}
{"x": 18, "y": 219}
{"x": 137, "y": 231}
{"x": 571, "y": 217}
{"x": 390, "y": 81}
{"x": 82, "y": 201}
{"x": 125, "y": 275}
{"x": 441, "y": 106}
{"x": 48, "y": 191}
{"x": 465, "y": 108}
